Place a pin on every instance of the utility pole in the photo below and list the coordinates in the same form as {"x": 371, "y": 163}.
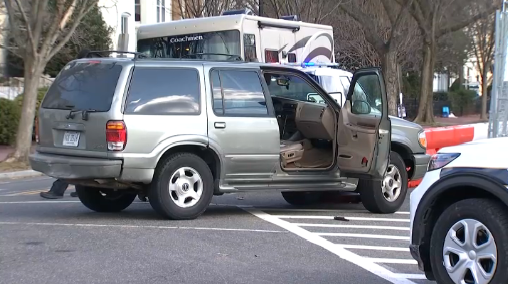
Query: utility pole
{"x": 261, "y": 6}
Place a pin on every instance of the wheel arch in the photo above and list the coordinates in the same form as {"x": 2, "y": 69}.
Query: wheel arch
{"x": 406, "y": 154}
{"x": 208, "y": 154}
{"x": 441, "y": 195}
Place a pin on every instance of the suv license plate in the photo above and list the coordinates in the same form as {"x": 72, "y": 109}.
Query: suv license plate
{"x": 71, "y": 139}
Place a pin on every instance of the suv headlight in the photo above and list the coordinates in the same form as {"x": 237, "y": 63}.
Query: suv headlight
{"x": 440, "y": 160}
{"x": 422, "y": 139}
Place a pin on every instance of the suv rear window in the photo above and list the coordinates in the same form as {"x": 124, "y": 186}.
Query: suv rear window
{"x": 84, "y": 86}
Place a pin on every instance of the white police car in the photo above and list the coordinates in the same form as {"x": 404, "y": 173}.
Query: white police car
{"x": 459, "y": 214}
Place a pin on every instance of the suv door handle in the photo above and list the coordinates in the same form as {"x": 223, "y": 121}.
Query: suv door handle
{"x": 220, "y": 125}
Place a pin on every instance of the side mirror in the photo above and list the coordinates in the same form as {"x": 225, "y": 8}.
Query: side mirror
{"x": 315, "y": 98}
{"x": 360, "y": 107}
{"x": 283, "y": 82}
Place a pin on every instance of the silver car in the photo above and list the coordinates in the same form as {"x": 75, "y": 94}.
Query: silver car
{"x": 177, "y": 132}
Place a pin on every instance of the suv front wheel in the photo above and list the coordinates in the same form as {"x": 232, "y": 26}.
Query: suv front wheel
{"x": 388, "y": 195}
{"x": 182, "y": 187}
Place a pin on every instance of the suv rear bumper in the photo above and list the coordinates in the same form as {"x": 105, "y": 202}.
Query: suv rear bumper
{"x": 421, "y": 164}
{"x": 69, "y": 167}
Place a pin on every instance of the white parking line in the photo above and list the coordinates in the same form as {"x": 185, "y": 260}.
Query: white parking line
{"x": 139, "y": 227}
{"x": 353, "y": 226}
{"x": 331, "y": 247}
{"x": 412, "y": 276}
{"x": 349, "y": 218}
{"x": 366, "y": 236}
{"x": 392, "y": 260}
{"x": 376, "y": 248}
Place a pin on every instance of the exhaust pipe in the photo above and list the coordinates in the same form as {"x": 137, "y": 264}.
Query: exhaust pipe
{"x": 123, "y": 37}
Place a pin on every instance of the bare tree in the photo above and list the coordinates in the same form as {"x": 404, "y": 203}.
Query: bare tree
{"x": 39, "y": 29}
{"x": 316, "y": 11}
{"x": 482, "y": 37}
{"x": 435, "y": 19}
{"x": 205, "y": 8}
{"x": 385, "y": 26}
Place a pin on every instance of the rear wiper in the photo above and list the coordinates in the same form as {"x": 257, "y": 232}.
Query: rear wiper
{"x": 71, "y": 111}
{"x": 84, "y": 113}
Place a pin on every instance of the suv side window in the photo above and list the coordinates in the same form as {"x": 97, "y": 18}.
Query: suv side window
{"x": 238, "y": 93}
{"x": 164, "y": 91}
{"x": 290, "y": 86}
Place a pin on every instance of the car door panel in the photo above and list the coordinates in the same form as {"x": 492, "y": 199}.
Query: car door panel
{"x": 364, "y": 137}
{"x": 246, "y": 130}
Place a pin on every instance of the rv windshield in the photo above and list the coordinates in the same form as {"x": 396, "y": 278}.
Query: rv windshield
{"x": 184, "y": 46}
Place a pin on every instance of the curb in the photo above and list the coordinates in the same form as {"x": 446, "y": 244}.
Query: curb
{"x": 20, "y": 174}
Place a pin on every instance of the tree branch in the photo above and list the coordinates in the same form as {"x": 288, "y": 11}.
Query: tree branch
{"x": 368, "y": 26}
{"x": 87, "y": 7}
{"x": 455, "y": 26}
{"x": 25, "y": 20}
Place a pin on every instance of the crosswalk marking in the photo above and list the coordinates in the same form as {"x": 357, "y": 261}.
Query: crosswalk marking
{"x": 367, "y": 236}
{"x": 348, "y": 218}
{"x": 377, "y": 248}
{"x": 392, "y": 260}
{"x": 350, "y": 233}
{"x": 354, "y": 226}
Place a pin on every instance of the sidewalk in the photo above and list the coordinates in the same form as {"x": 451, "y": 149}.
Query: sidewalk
{"x": 5, "y": 151}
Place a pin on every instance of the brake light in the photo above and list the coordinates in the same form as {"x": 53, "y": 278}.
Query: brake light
{"x": 116, "y": 135}
{"x": 37, "y": 130}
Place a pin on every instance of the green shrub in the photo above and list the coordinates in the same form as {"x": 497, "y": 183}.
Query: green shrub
{"x": 462, "y": 101}
{"x": 10, "y": 115}
{"x": 40, "y": 95}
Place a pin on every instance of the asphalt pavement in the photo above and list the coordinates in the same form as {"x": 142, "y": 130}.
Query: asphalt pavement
{"x": 241, "y": 238}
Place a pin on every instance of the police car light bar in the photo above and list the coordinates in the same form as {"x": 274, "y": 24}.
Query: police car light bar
{"x": 312, "y": 64}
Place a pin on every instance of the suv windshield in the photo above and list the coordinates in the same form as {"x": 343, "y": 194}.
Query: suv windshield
{"x": 184, "y": 46}
{"x": 84, "y": 86}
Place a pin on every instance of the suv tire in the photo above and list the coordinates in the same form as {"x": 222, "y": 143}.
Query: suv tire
{"x": 480, "y": 214}
{"x": 371, "y": 192}
{"x": 301, "y": 198}
{"x": 104, "y": 200}
{"x": 170, "y": 193}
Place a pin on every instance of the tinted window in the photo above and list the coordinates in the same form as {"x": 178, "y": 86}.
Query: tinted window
{"x": 241, "y": 92}
{"x": 368, "y": 90}
{"x": 160, "y": 91}
{"x": 294, "y": 88}
{"x": 84, "y": 86}
{"x": 183, "y": 46}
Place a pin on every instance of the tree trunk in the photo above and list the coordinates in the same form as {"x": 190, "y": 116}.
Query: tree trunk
{"x": 33, "y": 72}
{"x": 425, "y": 107}
{"x": 485, "y": 85}
{"x": 389, "y": 66}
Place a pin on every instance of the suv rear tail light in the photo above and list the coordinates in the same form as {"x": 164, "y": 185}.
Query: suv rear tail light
{"x": 116, "y": 135}
{"x": 37, "y": 130}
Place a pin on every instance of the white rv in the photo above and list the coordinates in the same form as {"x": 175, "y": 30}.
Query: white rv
{"x": 238, "y": 34}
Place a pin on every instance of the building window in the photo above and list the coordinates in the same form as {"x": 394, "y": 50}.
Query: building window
{"x": 161, "y": 11}
{"x": 137, "y": 11}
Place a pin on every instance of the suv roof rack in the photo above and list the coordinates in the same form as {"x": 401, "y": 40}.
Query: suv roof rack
{"x": 98, "y": 53}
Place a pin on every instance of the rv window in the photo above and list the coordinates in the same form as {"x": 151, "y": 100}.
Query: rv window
{"x": 291, "y": 57}
{"x": 249, "y": 47}
{"x": 183, "y": 46}
{"x": 271, "y": 56}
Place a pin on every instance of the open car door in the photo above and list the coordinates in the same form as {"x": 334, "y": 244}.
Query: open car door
{"x": 364, "y": 129}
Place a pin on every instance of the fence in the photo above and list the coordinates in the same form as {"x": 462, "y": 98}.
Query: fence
{"x": 499, "y": 99}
